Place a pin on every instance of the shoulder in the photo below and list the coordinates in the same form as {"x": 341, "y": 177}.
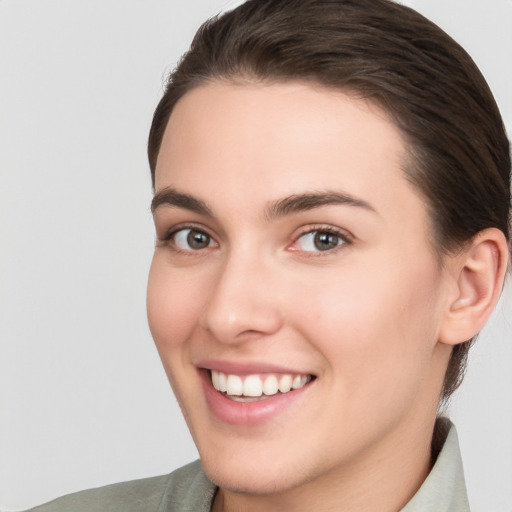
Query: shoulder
{"x": 144, "y": 494}
{"x": 160, "y": 493}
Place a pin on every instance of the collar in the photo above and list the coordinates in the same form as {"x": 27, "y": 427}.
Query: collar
{"x": 444, "y": 490}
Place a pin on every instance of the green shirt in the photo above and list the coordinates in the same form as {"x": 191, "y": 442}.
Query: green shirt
{"x": 188, "y": 489}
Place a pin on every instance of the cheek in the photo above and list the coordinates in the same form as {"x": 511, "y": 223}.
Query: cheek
{"x": 374, "y": 328}
{"x": 173, "y": 306}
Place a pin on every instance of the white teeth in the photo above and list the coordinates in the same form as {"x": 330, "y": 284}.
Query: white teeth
{"x": 285, "y": 383}
{"x": 252, "y": 386}
{"x": 223, "y": 382}
{"x": 270, "y": 386}
{"x": 235, "y": 385}
{"x": 256, "y": 385}
{"x": 297, "y": 382}
{"x": 215, "y": 380}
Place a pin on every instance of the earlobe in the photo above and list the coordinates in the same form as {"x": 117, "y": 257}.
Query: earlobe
{"x": 479, "y": 271}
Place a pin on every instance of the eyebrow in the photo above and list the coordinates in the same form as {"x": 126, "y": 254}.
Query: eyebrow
{"x": 311, "y": 200}
{"x": 171, "y": 197}
{"x": 288, "y": 205}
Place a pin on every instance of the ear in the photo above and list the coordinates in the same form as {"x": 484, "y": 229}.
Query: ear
{"x": 478, "y": 272}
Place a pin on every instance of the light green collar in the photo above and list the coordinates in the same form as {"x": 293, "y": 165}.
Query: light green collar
{"x": 444, "y": 490}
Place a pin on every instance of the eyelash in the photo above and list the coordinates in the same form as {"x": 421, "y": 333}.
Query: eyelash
{"x": 344, "y": 237}
{"x": 168, "y": 239}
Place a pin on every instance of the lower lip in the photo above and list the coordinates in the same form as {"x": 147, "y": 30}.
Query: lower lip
{"x": 247, "y": 413}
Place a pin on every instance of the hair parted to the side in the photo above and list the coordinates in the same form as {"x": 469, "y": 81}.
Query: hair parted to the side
{"x": 389, "y": 54}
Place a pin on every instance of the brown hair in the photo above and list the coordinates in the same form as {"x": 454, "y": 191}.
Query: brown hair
{"x": 390, "y": 54}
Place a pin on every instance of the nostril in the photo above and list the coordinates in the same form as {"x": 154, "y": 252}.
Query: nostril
{"x": 243, "y": 322}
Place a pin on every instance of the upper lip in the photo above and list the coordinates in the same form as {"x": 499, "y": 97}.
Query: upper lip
{"x": 247, "y": 367}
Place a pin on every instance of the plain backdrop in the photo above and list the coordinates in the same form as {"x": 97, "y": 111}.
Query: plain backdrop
{"x": 83, "y": 399}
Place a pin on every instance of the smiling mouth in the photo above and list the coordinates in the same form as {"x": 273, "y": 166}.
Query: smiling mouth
{"x": 250, "y": 388}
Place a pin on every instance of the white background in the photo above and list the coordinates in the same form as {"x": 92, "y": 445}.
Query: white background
{"x": 83, "y": 399}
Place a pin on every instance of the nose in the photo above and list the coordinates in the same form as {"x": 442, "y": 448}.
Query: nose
{"x": 242, "y": 305}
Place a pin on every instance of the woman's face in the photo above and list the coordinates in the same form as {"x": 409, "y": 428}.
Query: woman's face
{"x": 292, "y": 251}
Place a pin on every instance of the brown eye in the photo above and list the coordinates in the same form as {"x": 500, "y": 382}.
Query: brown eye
{"x": 319, "y": 241}
{"x": 192, "y": 240}
{"x": 326, "y": 241}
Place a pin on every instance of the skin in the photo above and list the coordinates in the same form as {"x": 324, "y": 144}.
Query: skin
{"x": 365, "y": 318}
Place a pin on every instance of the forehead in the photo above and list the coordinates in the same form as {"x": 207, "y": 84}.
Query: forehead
{"x": 243, "y": 142}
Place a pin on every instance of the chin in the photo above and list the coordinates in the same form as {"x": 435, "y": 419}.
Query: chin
{"x": 247, "y": 481}
{"x": 248, "y": 475}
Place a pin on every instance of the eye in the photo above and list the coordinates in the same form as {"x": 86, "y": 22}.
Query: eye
{"x": 189, "y": 239}
{"x": 319, "y": 241}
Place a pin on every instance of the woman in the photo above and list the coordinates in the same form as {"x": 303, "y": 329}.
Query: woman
{"x": 332, "y": 199}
